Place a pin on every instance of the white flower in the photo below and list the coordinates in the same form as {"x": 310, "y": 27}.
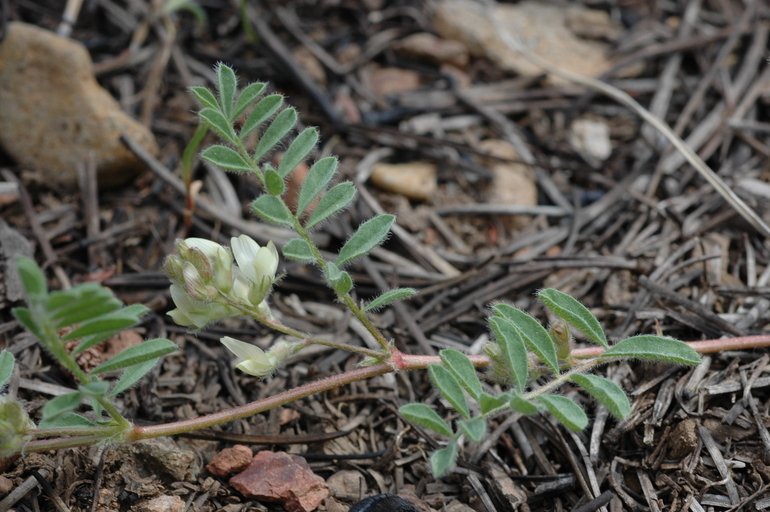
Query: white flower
{"x": 211, "y": 250}
{"x": 190, "y": 312}
{"x": 254, "y": 261}
{"x": 255, "y": 361}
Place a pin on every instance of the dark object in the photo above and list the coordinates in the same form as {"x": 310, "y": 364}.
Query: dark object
{"x": 383, "y": 503}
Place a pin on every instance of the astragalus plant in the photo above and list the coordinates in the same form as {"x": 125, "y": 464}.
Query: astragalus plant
{"x": 211, "y": 282}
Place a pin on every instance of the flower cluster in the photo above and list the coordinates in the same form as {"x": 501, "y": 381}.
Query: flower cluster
{"x": 206, "y": 285}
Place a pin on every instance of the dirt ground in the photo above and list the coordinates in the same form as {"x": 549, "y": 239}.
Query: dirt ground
{"x": 505, "y": 180}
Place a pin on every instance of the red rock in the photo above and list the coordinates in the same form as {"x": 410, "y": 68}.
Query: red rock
{"x": 230, "y": 460}
{"x": 284, "y": 478}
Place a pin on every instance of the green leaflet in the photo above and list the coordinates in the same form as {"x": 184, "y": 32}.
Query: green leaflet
{"x": 426, "y": 417}
{"x": 474, "y": 429}
{"x": 442, "y": 460}
{"x": 299, "y": 149}
{"x": 247, "y": 97}
{"x": 132, "y": 375}
{"x": 150, "y": 349}
{"x": 298, "y": 249}
{"x": 565, "y": 410}
{"x": 7, "y": 362}
{"x": 226, "y": 85}
{"x": 514, "y": 350}
{"x": 335, "y": 200}
{"x": 273, "y": 209}
{"x": 450, "y": 389}
{"x": 264, "y": 110}
{"x": 369, "y": 235}
{"x": 226, "y": 158}
{"x": 463, "y": 370}
{"x": 655, "y": 348}
{"x": 574, "y": 313}
{"x": 315, "y": 181}
{"x": 607, "y": 392}
{"x": 280, "y": 126}
{"x": 535, "y": 336}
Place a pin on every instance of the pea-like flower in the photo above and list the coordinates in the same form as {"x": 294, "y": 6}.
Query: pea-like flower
{"x": 207, "y": 287}
{"x": 254, "y": 360}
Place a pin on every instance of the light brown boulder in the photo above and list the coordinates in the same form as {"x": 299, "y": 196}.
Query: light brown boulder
{"x": 53, "y": 113}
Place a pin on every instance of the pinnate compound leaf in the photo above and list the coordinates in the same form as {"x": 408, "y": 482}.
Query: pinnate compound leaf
{"x": 247, "y": 97}
{"x": 315, "y": 181}
{"x": 226, "y": 85}
{"x": 474, "y": 429}
{"x": 225, "y": 158}
{"x": 368, "y": 236}
{"x": 514, "y": 350}
{"x": 132, "y": 375}
{"x": 298, "y": 151}
{"x": 216, "y": 120}
{"x": 654, "y": 348}
{"x": 442, "y": 460}
{"x": 450, "y": 389}
{"x": 575, "y": 313}
{"x": 298, "y": 249}
{"x": 69, "y": 419}
{"x": 110, "y": 322}
{"x": 489, "y": 403}
{"x": 273, "y": 209}
{"x": 205, "y": 96}
{"x": 84, "y": 308}
{"x": 389, "y": 297}
{"x": 426, "y": 417}
{"x": 280, "y": 126}
{"x": 607, "y": 392}
{"x": 566, "y": 411}
{"x": 7, "y": 362}
{"x": 32, "y": 278}
{"x": 61, "y": 404}
{"x": 266, "y": 107}
{"x": 522, "y": 405}
{"x": 150, "y": 349}
{"x": 336, "y": 199}
{"x": 535, "y": 336}
{"x": 273, "y": 181}
{"x": 462, "y": 368}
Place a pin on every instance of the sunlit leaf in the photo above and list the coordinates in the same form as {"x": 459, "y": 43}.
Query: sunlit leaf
{"x": 566, "y": 411}
{"x": 654, "y": 348}
{"x": 462, "y": 368}
{"x": 389, "y": 297}
{"x": 450, "y": 389}
{"x": 575, "y": 313}
{"x": 150, "y": 349}
{"x": 607, "y": 392}
{"x": 426, "y": 417}
{"x": 315, "y": 181}
{"x": 442, "y": 460}
{"x": 226, "y": 158}
{"x": 281, "y": 125}
{"x": 535, "y": 336}
{"x": 369, "y": 235}
{"x": 299, "y": 149}
{"x": 335, "y": 200}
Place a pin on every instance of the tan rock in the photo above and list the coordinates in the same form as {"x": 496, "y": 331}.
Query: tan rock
{"x": 591, "y": 139}
{"x": 346, "y": 484}
{"x": 427, "y": 47}
{"x": 542, "y": 27}
{"x": 513, "y": 183}
{"x": 592, "y": 24}
{"x": 415, "y": 180}
{"x": 387, "y": 81}
{"x": 54, "y": 114}
{"x": 162, "y": 503}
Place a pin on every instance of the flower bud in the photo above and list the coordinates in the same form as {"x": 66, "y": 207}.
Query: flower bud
{"x": 498, "y": 369}
{"x": 173, "y": 267}
{"x": 282, "y": 349}
{"x": 562, "y": 338}
{"x": 14, "y": 426}
{"x": 201, "y": 263}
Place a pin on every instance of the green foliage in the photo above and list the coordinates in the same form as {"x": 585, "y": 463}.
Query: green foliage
{"x": 565, "y": 410}
{"x": 334, "y": 201}
{"x": 315, "y": 182}
{"x": 273, "y": 209}
{"x": 574, "y": 313}
{"x": 389, "y": 297}
{"x": 442, "y": 460}
{"x": 450, "y": 389}
{"x": 89, "y": 313}
{"x": 654, "y": 348}
{"x": 7, "y": 362}
{"x": 536, "y": 338}
{"x": 607, "y": 392}
{"x": 274, "y": 183}
{"x": 515, "y": 352}
{"x": 463, "y": 370}
{"x": 474, "y": 429}
{"x": 225, "y": 158}
{"x": 277, "y": 130}
{"x": 426, "y": 417}
{"x": 298, "y": 151}
{"x": 368, "y": 236}
{"x": 298, "y": 250}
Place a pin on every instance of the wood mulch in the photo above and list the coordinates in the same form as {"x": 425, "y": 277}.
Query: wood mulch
{"x": 640, "y": 238}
